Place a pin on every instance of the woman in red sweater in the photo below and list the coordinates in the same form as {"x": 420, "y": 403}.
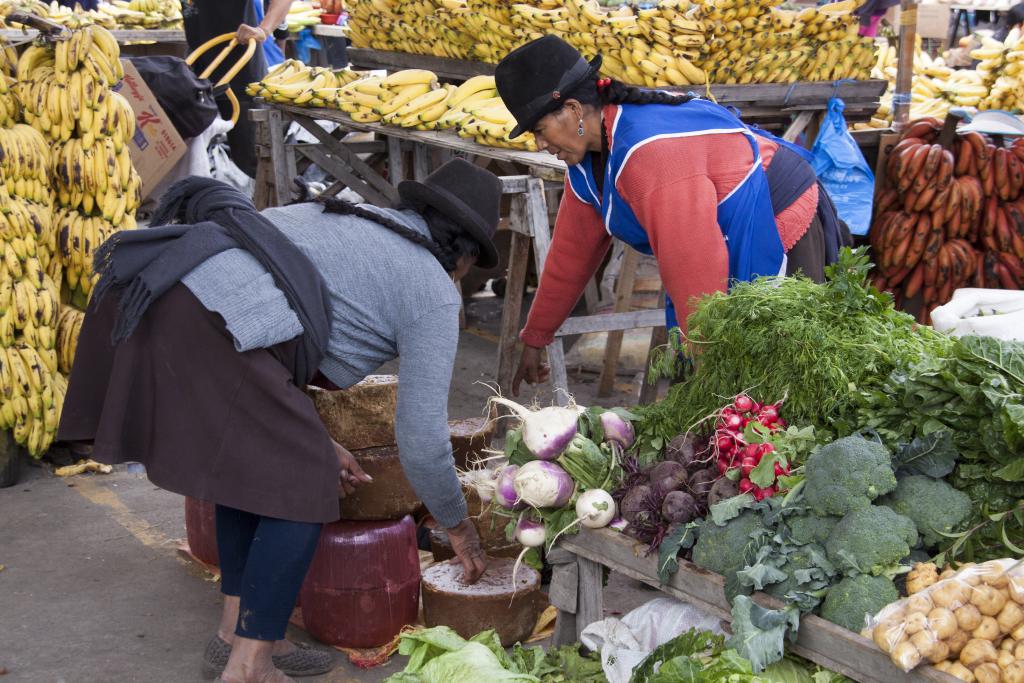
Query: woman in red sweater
{"x": 674, "y": 176}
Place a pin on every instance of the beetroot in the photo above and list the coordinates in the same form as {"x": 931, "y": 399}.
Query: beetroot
{"x": 701, "y": 482}
{"x": 679, "y": 506}
{"x": 666, "y": 476}
{"x": 635, "y": 503}
{"x": 682, "y": 449}
{"x": 723, "y": 488}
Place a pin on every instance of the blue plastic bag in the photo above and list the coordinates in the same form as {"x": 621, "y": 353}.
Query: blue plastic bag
{"x": 841, "y": 168}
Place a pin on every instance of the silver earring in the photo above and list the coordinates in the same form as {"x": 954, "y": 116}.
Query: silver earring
{"x": 579, "y": 131}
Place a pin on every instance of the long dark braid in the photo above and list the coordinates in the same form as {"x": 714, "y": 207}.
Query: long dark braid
{"x": 595, "y": 91}
{"x": 449, "y": 240}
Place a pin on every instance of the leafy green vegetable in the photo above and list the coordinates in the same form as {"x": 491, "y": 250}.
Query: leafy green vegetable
{"x": 439, "y": 655}
{"x": 681, "y": 539}
{"x": 730, "y": 508}
{"x": 933, "y": 455}
{"x": 694, "y": 657}
{"x": 515, "y": 449}
{"x": 759, "y": 634}
{"x": 971, "y": 391}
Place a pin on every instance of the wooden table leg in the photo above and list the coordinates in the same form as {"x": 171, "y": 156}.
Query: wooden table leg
{"x": 281, "y": 184}
{"x": 590, "y": 603}
{"x": 420, "y": 161}
{"x": 613, "y": 340}
{"x": 537, "y": 219}
{"x": 396, "y": 162}
{"x": 515, "y": 287}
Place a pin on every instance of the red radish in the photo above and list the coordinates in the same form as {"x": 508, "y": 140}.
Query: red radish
{"x": 761, "y": 494}
{"x": 766, "y": 448}
{"x": 726, "y": 443}
{"x": 734, "y": 423}
{"x": 746, "y": 485}
{"x": 752, "y": 450}
{"x": 756, "y": 408}
{"x": 770, "y": 412}
{"x": 780, "y": 470}
{"x": 748, "y": 464}
{"x": 723, "y": 466}
{"x": 781, "y": 424}
{"x": 743, "y": 403}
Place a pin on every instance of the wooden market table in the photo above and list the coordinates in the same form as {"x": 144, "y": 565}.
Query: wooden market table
{"x": 121, "y": 36}
{"x": 529, "y": 218}
{"x": 576, "y": 591}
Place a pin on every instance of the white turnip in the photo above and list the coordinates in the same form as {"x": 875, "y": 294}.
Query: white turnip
{"x": 595, "y": 508}
{"x": 543, "y": 484}
{"x": 546, "y": 432}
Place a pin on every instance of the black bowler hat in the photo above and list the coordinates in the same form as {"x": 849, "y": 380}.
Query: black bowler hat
{"x": 465, "y": 193}
{"x": 534, "y": 80}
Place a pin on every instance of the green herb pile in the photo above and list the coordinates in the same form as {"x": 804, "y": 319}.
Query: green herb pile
{"x": 817, "y": 345}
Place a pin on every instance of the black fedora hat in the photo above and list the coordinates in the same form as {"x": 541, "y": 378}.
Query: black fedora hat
{"x": 534, "y": 79}
{"x": 467, "y": 194}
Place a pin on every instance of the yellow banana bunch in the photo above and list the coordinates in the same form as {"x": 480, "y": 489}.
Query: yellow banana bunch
{"x": 293, "y": 82}
{"x": 69, "y": 325}
{"x": 31, "y": 388}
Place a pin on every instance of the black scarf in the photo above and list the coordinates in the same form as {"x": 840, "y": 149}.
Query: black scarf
{"x": 143, "y": 264}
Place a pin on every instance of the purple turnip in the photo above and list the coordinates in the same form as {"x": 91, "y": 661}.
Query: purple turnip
{"x": 617, "y": 430}
{"x": 679, "y": 507}
{"x": 504, "y": 491}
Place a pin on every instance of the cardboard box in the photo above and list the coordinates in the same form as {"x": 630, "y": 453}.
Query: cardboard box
{"x": 156, "y": 146}
{"x": 932, "y": 20}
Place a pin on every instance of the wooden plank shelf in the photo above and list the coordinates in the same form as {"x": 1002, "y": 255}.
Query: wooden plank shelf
{"x": 819, "y": 640}
{"x": 121, "y": 36}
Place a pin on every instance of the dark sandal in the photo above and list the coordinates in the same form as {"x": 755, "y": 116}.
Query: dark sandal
{"x": 303, "y": 661}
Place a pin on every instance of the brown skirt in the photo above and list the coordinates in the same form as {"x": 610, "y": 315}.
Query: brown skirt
{"x": 808, "y": 254}
{"x": 206, "y": 420}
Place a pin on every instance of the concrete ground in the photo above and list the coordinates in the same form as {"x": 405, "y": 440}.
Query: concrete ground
{"x": 92, "y": 587}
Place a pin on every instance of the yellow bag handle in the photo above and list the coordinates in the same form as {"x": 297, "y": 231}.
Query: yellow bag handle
{"x": 232, "y": 42}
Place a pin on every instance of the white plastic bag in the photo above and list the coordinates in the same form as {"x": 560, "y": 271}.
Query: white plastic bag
{"x": 625, "y": 642}
{"x": 985, "y": 312}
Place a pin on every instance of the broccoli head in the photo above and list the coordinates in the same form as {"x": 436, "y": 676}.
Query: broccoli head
{"x": 850, "y": 601}
{"x": 806, "y": 569}
{"x": 727, "y": 549}
{"x": 810, "y": 528}
{"x": 847, "y": 475}
{"x": 935, "y": 506}
{"x": 871, "y": 541}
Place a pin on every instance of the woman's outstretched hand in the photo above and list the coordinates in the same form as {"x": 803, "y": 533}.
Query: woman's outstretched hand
{"x": 531, "y": 368}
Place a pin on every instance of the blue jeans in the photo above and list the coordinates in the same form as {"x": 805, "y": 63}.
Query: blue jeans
{"x": 263, "y": 561}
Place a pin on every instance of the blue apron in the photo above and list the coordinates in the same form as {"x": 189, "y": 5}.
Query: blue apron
{"x": 745, "y": 216}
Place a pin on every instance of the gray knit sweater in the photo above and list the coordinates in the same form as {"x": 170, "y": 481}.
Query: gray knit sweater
{"x": 390, "y": 298}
